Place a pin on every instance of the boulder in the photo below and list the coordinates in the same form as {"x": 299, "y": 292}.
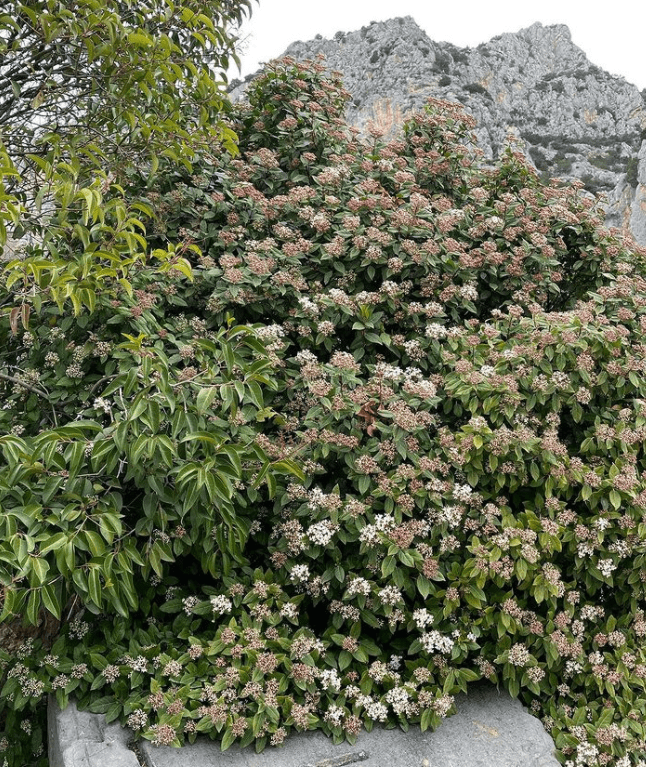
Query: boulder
{"x": 490, "y": 729}
{"x": 80, "y": 739}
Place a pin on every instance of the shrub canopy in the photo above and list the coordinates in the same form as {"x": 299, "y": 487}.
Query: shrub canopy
{"x": 454, "y": 355}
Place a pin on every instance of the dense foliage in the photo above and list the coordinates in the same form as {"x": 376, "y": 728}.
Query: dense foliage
{"x": 115, "y": 77}
{"x": 454, "y": 355}
{"x": 89, "y": 91}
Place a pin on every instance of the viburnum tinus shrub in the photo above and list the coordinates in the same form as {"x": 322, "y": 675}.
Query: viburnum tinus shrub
{"x": 458, "y": 362}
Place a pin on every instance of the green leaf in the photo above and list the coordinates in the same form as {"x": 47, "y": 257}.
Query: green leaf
{"x": 205, "y": 398}
{"x": 94, "y": 586}
{"x": 423, "y": 586}
{"x": 33, "y": 606}
{"x": 51, "y": 601}
{"x": 388, "y": 566}
{"x": 54, "y": 542}
{"x": 113, "y": 711}
{"x": 138, "y": 39}
{"x": 227, "y": 739}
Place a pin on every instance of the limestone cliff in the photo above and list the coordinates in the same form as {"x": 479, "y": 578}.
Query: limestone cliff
{"x": 576, "y": 119}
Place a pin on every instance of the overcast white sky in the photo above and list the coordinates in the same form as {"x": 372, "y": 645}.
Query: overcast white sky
{"x": 611, "y": 34}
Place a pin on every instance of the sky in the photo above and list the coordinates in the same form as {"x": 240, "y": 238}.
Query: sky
{"x": 611, "y": 35}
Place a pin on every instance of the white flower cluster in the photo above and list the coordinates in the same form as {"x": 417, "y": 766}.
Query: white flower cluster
{"x": 300, "y": 573}
{"x": 586, "y": 753}
{"x": 443, "y": 705}
{"x": 435, "y": 331}
{"x": 339, "y": 297}
{"x": 518, "y": 655}
{"x": 378, "y": 671}
{"x": 354, "y": 507}
{"x": 136, "y": 664}
{"x": 621, "y": 548}
{"x": 452, "y": 515}
{"x": 412, "y": 348}
{"x": 321, "y": 533}
{"x": 413, "y": 374}
{"x": 389, "y": 287}
{"x": 270, "y": 332}
{"x": 388, "y": 372}
{"x": 101, "y": 404}
{"x": 138, "y": 719}
{"x": 374, "y": 709}
{"x": 433, "y": 309}
{"x": 398, "y": 700}
{"x": 433, "y": 641}
{"x": 469, "y": 292}
{"x": 334, "y": 716}
{"x": 316, "y": 498}
{"x": 462, "y": 492}
{"x": 607, "y": 566}
{"x": 591, "y": 612}
{"x": 289, "y": 611}
{"x": 560, "y": 379}
{"x": 417, "y": 385}
{"x": 188, "y": 603}
{"x": 369, "y": 535}
{"x": 573, "y": 667}
{"x": 329, "y": 678}
{"x": 331, "y": 175}
{"x": 359, "y": 586}
{"x": 221, "y": 604}
{"x": 422, "y": 618}
{"x": 345, "y": 361}
{"x": 390, "y": 595}
{"x": 584, "y": 549}
{"x": 308, "y": 306}
{"x": 487, "y": 371}
{"x": 305, "y": 357}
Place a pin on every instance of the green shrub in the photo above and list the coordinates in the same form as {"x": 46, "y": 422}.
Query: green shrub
{"x": 632, "y": 171}
{"x": 456, "y": 362}
{"x": 477, "y": 88}
{"x": 539, "y": 159}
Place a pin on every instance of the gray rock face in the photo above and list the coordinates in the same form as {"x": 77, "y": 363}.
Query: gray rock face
{"x": 577, "y": 120}
{"x": 489, "y": 728}
{"x": 80, "y": 739}
{"x": 638, "y": 207}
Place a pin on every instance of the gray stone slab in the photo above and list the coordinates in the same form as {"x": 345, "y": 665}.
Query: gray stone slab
{"x": 80, "y": 739}
{"x": 490, "y": 729}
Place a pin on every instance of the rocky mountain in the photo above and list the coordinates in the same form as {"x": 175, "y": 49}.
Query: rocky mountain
{"x": 577, "y": 120}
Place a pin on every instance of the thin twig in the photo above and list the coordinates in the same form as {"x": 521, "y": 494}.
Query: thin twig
{"x": 25, "y": 385}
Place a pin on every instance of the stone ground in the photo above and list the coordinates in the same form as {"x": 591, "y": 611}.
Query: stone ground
{"x": 490, "y": 729}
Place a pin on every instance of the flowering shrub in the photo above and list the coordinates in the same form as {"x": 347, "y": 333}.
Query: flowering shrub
{"x": 455, "y": 358}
